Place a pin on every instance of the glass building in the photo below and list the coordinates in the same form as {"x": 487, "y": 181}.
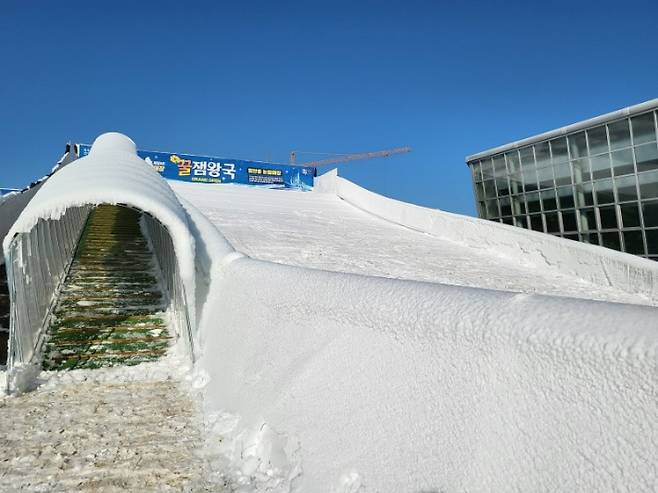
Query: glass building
{"x": 595, "y": 181}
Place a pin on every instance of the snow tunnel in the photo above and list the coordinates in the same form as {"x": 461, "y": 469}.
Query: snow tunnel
{"x": 103, "y": 245}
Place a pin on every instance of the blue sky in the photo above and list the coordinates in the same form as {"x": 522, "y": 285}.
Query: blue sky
{"x": 254, "y": 80}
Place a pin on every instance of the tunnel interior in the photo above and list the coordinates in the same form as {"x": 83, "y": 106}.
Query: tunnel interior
{"x": 88, "y": 290}
{"x": 110, "y": 310}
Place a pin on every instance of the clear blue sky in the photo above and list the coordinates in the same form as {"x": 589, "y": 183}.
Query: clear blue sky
{"x": 254, "y": 80}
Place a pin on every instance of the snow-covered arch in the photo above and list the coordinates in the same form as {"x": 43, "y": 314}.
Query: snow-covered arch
{"x": 112, "y": 173}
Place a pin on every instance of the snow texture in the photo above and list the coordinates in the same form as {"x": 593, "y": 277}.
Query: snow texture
{"x": 414, "y": 351}
{"x": 113, "y": 174}
{"x": 321, "y": 231}
{"x": 599, "y": 265}
{"x": 418, "y": 386}
{"x": 374, "y": 383}
{"x": 117, "y": 429}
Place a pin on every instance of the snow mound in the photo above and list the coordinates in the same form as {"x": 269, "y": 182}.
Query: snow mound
{"x": 409, "y": 386}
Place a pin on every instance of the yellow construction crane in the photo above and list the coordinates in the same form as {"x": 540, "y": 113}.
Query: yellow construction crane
{"x": 343, "y": 158}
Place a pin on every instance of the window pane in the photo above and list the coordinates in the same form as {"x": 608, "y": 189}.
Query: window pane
{"x": 608, "y": 217}
{"x": 542, "y": 154}
{"x": 499, "y": 165}
{"x": 562, "y": 174}
{"x": 533, "y": 202}
{"x": 652, "y": 241}
{"x": 487, "y": 169}
{"x": 552, "y": 222}
{"x": 620, "y": 134}
{"x": 505, "y": 207}
{"x": 604, "y": 193}
{"x": 548, "y": 200}
{"x": 513, "y": 164}
{"x": 518, "y": 204}
{"x": 479, "y": 191}
{"x": 569, "y": 220}
{"x": 584, "y": 195}
{"x": 536, "y": 222}
{"x": 598, "y": 140}
{"x": 559, "y": 150}
{"x": 489, "y": 189}
{"x": 633, "y": 242}
{"x": 565, "y": 195}
{"x": 502, "y": 185}
{"x": 587, "y": 219}
{"x": 643, "y": 129}
{"x": 492, "y": 208}
{"x": 650, "y": 213}
{"x": 626, "y": 188}
{"x": 646, "y": 157}
{"x": 600, "y": 166}
{"x": 530, "y": 179}
{"x": 630, "y": 215}
{"x": 611, "y": 240}
{"x": 648, "y": 185}
{"x": 475, "y": 171}
{"x": 520, "y": 221}
{"x": 578, "y": 145}
{"x": 516, "y": 183}
{"x": 580, "y": 170}
{"x": 545, "y": 176}
{"x": 514, "y": 169}
{"x": 527, "y": 157}
{"x": 508, "y": 220}
{"x": 622, "y": 162}
{"x": 591, "y": 238}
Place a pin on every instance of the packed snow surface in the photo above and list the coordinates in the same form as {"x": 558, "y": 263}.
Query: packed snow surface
{"x": 321, "y": 231}
{"x": 383, "y": 358}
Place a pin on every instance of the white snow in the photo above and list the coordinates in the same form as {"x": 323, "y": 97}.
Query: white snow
{"x": 353, "y": 343}
{"x": 602, "y": 266}
{"x": 321, "y": 231}
{"x": 409, "y": 376}
{"x": 113, "y": 174}
{"x": 418, "y": 386}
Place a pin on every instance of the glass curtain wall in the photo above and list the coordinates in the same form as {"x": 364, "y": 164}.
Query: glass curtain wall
{"x": 598, "y": 185}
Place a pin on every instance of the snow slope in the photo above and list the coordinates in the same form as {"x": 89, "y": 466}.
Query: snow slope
{"x": 321, "y": 231}
{"x": 379, "y": 358}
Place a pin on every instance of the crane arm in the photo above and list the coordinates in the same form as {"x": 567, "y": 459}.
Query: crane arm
{"x": 354, "y": 157}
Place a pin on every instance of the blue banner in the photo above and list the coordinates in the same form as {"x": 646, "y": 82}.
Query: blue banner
{"x": 204, "y": 169}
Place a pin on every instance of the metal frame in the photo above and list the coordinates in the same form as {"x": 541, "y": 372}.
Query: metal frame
{"x": 161, "y": 243}
{"x": 53, "y": 244}
{"x": 583, "y": 233}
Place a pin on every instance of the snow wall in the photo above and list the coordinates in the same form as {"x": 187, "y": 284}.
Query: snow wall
{"x": 337, "y": 381}
{"x": 600, "y": 265}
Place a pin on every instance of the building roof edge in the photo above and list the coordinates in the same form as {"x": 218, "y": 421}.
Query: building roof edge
{"x": 558, "y": 132}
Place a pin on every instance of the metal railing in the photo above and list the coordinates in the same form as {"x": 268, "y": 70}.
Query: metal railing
{"x": 165, "y": 255}
{"x": 37, "y": 264}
